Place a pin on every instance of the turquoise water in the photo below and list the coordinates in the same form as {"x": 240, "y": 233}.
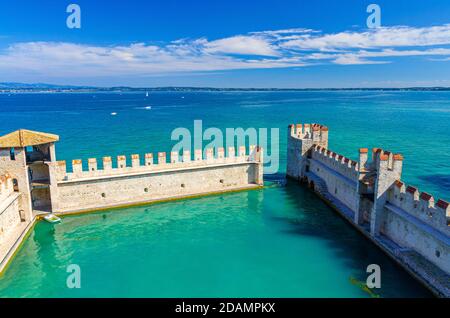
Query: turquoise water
{"x": 277, "y": 242}
{"x": 280, "y": 241}
{"x": 415, "y": 124}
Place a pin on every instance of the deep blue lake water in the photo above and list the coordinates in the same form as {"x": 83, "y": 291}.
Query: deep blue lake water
{"x": 280, "y": 241}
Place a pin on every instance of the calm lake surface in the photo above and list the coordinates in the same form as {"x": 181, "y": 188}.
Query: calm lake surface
{"x": 277, "y": 242}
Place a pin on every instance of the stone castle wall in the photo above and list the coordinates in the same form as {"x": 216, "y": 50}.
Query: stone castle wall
{"x": 415, "y": 221}
{"x": 16, "y": 168}
{"x": 374, "y": 195}
{"x": 300, "y": 140}
{"x": 308, "y": 153}
{"x": 36, "y": 184}
{"x": 338, "y": 163}
{"x": 127, "y": 182}
{"x": 421, "y": 205}
{"x": 339, "y": 173}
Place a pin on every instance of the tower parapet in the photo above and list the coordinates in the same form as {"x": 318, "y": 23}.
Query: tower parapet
{"x": 388, "y": 168}
{"x": 315, "y": 132}
{"x": 301, "y": 138}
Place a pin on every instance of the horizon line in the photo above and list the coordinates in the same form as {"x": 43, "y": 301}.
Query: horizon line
{"x": 50, "y": 86}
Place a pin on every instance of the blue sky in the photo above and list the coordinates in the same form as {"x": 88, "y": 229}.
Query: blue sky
{"x": 293, "y": 44}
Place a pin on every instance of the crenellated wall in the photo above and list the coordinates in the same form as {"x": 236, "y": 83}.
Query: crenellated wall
{"x": 415, "y": 220}
{"x": 421, "y": 205}
{"x": 337, "y": 162}
{"x": 127, "y": 181}
{"x": 371, "y": 195}
{"x": 318, "y": 134}
{"x": 123, "y": 165}
{"x": 300, "y": 140}
{"x": 36, "y": 184}
{"x": 308, "y": 153}
{"x": 339, "y": 173}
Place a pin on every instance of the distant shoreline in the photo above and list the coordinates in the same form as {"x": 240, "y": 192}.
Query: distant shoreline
{"x": 49, "y": 88}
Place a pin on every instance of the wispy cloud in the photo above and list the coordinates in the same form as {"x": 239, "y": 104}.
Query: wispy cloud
{"x": 256, "y": 50}
{"x": 396, "y": 36}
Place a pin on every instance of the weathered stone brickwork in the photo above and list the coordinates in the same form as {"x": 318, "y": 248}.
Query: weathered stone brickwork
{"x": 371, "y": 195}
{"x": 130, "y": 182}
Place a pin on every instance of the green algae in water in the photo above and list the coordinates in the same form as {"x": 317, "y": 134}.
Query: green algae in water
{"x": 275, "y": 242}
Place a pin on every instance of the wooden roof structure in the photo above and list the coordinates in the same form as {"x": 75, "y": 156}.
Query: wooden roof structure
{"x": 23, "y": 138}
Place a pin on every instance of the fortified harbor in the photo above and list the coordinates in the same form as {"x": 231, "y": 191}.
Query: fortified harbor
{"x": 34, "y": 184}
{"x": 410, "y": 226}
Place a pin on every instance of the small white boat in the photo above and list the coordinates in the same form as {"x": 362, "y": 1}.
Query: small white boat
{"x": 113, "y": 114}
{"x": 146, "y": 94}
{"x": 51, "y": 218}
{"x": 148, "y": 107}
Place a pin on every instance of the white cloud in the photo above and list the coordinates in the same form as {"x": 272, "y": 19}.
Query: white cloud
{"x": 246, "y": 45}
{"x": 396, "y": 36}
{"x": 256, "y": 50}
{"x": 69, "y": 59}
{"x": 354, "y": 59}
{"x": 361, "y": 56}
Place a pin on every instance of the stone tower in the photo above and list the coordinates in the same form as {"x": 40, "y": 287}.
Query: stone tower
{"x": 26, "y": 156}
{"x": 300, "y": 140}
{"x": 388, "y": 167}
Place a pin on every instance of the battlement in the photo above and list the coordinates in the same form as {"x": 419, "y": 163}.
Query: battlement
{"x": 370, "y": 195}
{"x": 40, "y": 184}
{"x": 380, "y": 159}
{"x": 336, "y": 162}
{"x": 123, "y": 165}
{"x": 385, "y": 159}
{"x": 315, "y": 132}
{"x": 311, "y": 140}
{"x": 6, "y": 186}
{"x": 422, "y": 205}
